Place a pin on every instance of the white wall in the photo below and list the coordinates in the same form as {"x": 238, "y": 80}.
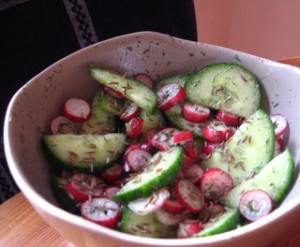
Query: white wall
{"x": 267, "y": 28}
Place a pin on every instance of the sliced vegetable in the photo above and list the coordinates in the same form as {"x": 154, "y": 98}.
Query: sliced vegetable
{"x": 217, "y": 131}
{"x": 102, "y": 211}
{"x": 195, "y": 112}
{"x": 188, "y": 228}
{"x": 63, "y": 125}
{"x": 280, "y": 125}
{"x": 228, "y": 118}
{"x": 145, "y": 79}
{"x": 169, "y": 96}
{"x": 136, "y": 159}
{"x": 77, "y": 110}
{"x": 130, "y": 111}
{"x": 134, "y": 127}
{"x": 255, "y": 204}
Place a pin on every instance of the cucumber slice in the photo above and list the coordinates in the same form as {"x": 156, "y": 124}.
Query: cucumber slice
{"x": 144, "y": 225}
{"x": 159, "y": 172}
{"x": 131, "y": 88}
{"x": 177, "y": 120}
{"x": 180, "y": 78}
{"x": 225, "y": 86}
{"x": 225, "y": 222}
{"x": 108, "y": 102}
{"x": 84, "y": 152}
{"x": 248, "y": 150}
{"x": 58, "y": 186}
{"x": 275, "y": 178}
{"x": 102, "y": 120}
{"x": 152, "y": 120}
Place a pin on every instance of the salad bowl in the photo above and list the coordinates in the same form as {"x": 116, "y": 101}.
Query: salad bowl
{"x": 38, "y": 101}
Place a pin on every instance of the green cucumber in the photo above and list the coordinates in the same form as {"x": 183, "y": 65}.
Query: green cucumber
{"x": 225, "y": 86}
{"x": 84, "y": 152}
{"x": 108, "y": 102}
{"x": 152, "y": 120}
{"x": 177, "y": 120}
{"x": 159, "y": 172}
{"x": 248, "y": 150}
{"x": 144, "y": 225}
{"x": 224, "y": 222}
{"x": 131, "y": 88}
{"x": 58, "y": 186}
{"x": 179, "y": 78}
{"x": 275, "y": 178}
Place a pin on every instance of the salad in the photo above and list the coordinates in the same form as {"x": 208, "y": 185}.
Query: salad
{"x": 191, "y": 155}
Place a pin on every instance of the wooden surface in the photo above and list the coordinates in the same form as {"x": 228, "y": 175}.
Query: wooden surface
{"x": 20, "y": 226}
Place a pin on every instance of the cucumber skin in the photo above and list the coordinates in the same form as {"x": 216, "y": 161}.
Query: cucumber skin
{"x": 58, "y": 164}
{"x": 140, "y": 94}
{"x": 63, "y": 197}
{"x": 276, "y": 190}
{"x": 194, "y": 84}
{"x": 218, "y": 158}
{"x": 162, "y": 179}
{"x": 228, "y": 220}
{"x": 130, "y": 223}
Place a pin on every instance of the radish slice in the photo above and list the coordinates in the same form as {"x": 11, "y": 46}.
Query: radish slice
{"x": 183, "y": 137}
{"x": 217, "y": 132}
{"x": 113, "y": 173}
{"x": 136, "y": 159}
{"x": 194, "y": 173}
{"x": 145, "y": 79}
{"x": 63, "y": 125}
{"x": 143, "y": 206}
{"x": 114, "y": 93}
{"x": 279, "y": 146}
{"x": 228, "y": 118}
{"x": 195, "y": 113}
{"x": 167, "y": 218}
{"x": 280, "y": 124}
{"x": 215, "y": 183}
{"x": 169, "y": 96}
{"x": 130, "y": 111}
{"x": 151, "y": 132}
{"x": 173, "y": 206}
{"x": 188, "y": 228}
{"x": 102, "y": 211}
{"x": 82, "y": 186}
{"x": 189, "y": 195}
{"x": 163, "y": 140}
{"x": 134, "y": 127}
{"x": 109, "y": 192}
{"x": 192, "y": 150}
{"x": 255, "y": 204}
{"x": 77, "y": 110}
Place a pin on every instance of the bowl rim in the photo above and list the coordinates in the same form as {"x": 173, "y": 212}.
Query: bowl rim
{"x": 39, "y": 203}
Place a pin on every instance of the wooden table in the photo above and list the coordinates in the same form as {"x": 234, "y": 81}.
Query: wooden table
{"x": 20, "y": 226}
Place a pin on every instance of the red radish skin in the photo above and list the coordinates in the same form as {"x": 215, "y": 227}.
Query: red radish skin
{"x": 192, "y": 150}
{"x": 114, "y": 93}
{"x": 215, "y": 183}
{"x": 82, "y": 186}
{"x": 228, "y": 118}
{"x": 194, "y": 173}
{"x": 77, "y": 110}
{"x": 183, "y": 137}
{"x": 217, "y": 132}
{"x": 188, "y": 228}
{"x": 102, "y": 211}
{"x": 136, "y": 159}
{"x": 63, "y": 125}
{"x": 130, "y": 111}
{"x": 145, "y": 79}
{"x": 255, "y": 204}
{"x": 163, "y": 140}
{"x": 209, "y": 147}
{"x": 151, "y": 132}
{"x": 189, "y": 195}
{"x": 169, "y": 96}
{"x": 173, "y": 206}
{"x": 134, "y": 127}
{"x": 113, "y": 173}
{"x": 195, "y": 113}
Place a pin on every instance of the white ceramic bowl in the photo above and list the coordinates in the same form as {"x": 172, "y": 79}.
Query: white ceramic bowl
{"x": 39, "y": 100}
